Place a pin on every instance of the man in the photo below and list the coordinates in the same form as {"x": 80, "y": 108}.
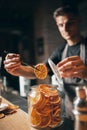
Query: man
{"x": 70, "y": 59}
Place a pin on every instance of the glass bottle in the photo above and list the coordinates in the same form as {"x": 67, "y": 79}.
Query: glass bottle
{"x": 44, "y": 107}
{"x": 80, "y": 109}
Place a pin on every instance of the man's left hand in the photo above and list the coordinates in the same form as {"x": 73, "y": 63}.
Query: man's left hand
{"x": 72, "y": 67}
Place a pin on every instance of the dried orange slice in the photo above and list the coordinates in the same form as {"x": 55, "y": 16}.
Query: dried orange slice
{"x": 13, "y": 107}
{"x": 2, "y": 115}
{"x": 55, "y": 122}
{"x": 56, "y": 111}
{"x": 45, "y": 110}
{"x": 41, "y": 71}
{"x": 41, "y": 102}
{"x": 45, "y": 121}
{"x": 35, "y": 118}
{"x": 47, "y": 90}
{"x": 54, "y": 99}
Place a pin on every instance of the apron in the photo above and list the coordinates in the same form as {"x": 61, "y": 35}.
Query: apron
{"x": 69, "y": 82}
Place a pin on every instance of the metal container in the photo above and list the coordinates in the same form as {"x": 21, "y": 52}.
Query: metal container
{"x": 80, "y": 109}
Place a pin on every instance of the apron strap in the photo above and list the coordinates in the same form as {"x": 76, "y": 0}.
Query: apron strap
{"x": 64, "y": 53}
{"x": 82, "y": 50}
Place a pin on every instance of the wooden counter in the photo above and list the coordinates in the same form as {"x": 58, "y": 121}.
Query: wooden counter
{"x": 16, "y": 121}
{"x": 19, "y": 121}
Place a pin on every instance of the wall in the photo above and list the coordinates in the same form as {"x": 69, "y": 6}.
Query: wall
{"x": 45, "y": 28}
{"x": 83, "y": 12}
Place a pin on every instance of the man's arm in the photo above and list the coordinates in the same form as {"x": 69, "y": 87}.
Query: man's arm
{"x": 12, "y": 64}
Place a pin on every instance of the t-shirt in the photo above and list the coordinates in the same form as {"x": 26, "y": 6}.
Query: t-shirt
{"x": 72, "y": 51}
{"x": 56, "y": 57}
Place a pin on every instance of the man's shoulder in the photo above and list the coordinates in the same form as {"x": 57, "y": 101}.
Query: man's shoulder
{"x": 61, "y": 48}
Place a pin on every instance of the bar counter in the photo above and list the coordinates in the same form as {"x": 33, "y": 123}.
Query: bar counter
{"x": 19, "y": 120}
{"x": 15, "y": 121}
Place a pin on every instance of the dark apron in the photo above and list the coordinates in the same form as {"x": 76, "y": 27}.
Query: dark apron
{"x": 71, "y": 83}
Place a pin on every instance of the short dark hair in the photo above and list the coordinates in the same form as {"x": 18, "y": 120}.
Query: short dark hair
{"x": 67, "y": 9}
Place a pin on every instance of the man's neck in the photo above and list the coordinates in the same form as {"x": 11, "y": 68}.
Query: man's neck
{"x": 74, "y": 41}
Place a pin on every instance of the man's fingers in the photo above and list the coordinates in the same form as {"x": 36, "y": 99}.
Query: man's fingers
{"x": 11, "y": 55}
{"x": 11, "y": 65}
{"x": 77, "y": 71}
{"x": 68, "y": 59}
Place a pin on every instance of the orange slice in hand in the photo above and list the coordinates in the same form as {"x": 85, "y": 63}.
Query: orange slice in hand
{"x": 41, "y": 71}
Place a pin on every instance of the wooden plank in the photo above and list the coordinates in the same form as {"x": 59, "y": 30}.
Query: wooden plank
{"x": 16, "y": 121}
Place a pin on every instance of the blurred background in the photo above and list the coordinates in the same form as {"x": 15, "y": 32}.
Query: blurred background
{"x": 27, "y": 27}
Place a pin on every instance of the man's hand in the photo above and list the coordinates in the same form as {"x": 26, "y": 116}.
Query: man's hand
{"x": 72, "y": 67}
{"x": 12, "y": 63}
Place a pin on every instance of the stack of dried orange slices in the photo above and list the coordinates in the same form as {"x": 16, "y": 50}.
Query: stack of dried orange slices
{"x": 45, "y": 107}
{"x": 41, "y": 71}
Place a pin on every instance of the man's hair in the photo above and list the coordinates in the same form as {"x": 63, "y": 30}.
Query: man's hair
{"x": 64, "y": 10}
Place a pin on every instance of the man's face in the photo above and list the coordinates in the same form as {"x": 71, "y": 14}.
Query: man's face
{"x": 68, "y": 26}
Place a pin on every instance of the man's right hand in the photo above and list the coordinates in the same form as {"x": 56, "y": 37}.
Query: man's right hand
{"x": 12, "y": 63}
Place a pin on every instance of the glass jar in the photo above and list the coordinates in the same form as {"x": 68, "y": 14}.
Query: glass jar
{"x": 44, "y": 107}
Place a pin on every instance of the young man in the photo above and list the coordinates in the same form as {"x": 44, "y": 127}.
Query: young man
{"x": 71, "y": 59}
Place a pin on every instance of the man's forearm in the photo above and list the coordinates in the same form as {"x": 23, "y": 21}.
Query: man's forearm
{"x": 26, "y": 71}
